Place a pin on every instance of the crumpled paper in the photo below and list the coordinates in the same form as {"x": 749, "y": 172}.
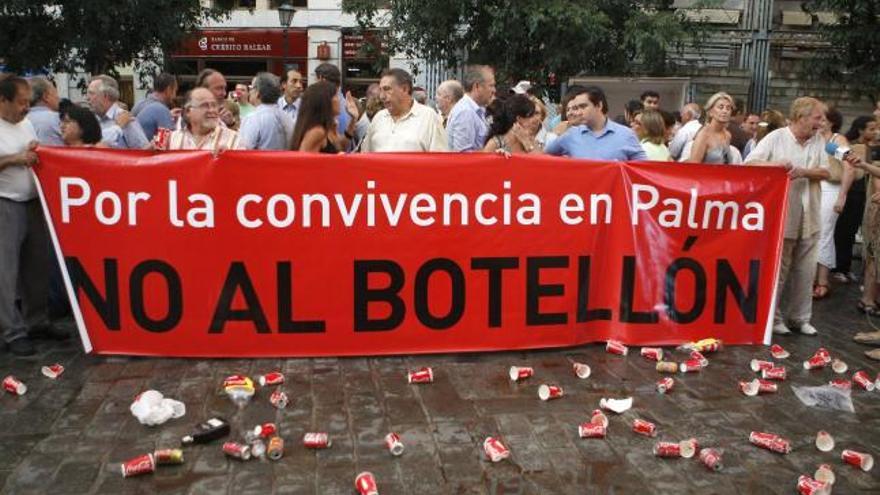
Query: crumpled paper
{"x": 151, "y": 408}
{"x": 825, "y": 397}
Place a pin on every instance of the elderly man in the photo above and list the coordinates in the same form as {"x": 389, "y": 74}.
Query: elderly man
{"x": 690, "y": 119}
{"x": 118, "y": 128}
{"x": 448, "y": 94}
{"x": 215, "y": 82}
{"x": 44, "y": 111}
{"x": 801, "y": 149}
{"x": 154, "y": 111}
{"x": 467, "y": 126}
{"x": 404, "y": 124}
{"x": 293, "y": 89}
{"x": 24, "y": 253}
{"x": 267, "y": 127}
{"x": 203, "y": 130}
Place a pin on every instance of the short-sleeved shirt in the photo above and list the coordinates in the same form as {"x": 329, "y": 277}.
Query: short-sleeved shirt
{"x": 466, "y": 126}
{"x": 47, "y": 125}
{"x": 267, "y": 128}
{"x": 16, "y": 181}
{"x": 613, "y": 142}
{"x": 152, "y": 114}
{"x": 803, "y": 217}
{"x": 420, "y": 129}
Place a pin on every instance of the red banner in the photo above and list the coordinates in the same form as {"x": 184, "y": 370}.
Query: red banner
{"x": 291, "y": 254}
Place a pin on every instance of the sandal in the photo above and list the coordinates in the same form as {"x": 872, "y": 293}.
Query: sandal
{"x": 870, "y": 338}
{"x": 875, "y": 354}
{"x": 867, "y": 309}
{"x": 820, "y": 291}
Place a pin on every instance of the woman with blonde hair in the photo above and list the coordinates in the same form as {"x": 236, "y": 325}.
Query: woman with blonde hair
{"x": 653, "y": 136}
{"x": 712, "y": 142}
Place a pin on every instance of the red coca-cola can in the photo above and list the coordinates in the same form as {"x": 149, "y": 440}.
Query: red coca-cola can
{"x": 599, "y": 418}
{"x": 422, "y": 375}
{"x": 775, "y": 373}
{"x": 858, "y": 459}
{"x": 711, "y": 458}
{"x": 698, "y": 356}
{"x": 709, "y": 347}
{"x": 778, "y": 352}
{"x": 841, "y": 383}
{"x": 52, "y": 371}
{"x": 760, "y": 365}
{"x": 139, "y": 465}
{"x": 279, "y": 399}
{"x": 393, "y": 443}
{"x": 815, "y": 362}
{"x": 14, "y": 386}
{"x": 824, "y": 354}
{"x": 667, "y": 449}
{"x": 809, "y": 486}
{"x": 550, "y": 392}
{"x": 690, "y": 366}
{"x": 317, "y": 440}
{"x": 665, "y": 385}
{"x": 365, "y": 483}
{"x": 767, "y": 387}
{"x": 860, "y": 378}
{"x": 518, "y": 373}
{"x": 645, "y": 428}
{"x": 237, "y": 450}
{"x": 591, "y": 430}
{"x": 495, "y": 450}
{"x": 265, "y": 430}
{"x": 273, "y": 378}
{"x": 770, "y": 441}
{"x": 652, "y": 353}
{"x": 162, "y": 138}
{"x": 616, "y": 347}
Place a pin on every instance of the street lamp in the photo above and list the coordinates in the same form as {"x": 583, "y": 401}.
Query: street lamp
{"x": 285, "y": 17}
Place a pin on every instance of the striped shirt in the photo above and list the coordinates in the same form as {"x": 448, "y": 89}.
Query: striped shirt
{"x": 221, "y": 138}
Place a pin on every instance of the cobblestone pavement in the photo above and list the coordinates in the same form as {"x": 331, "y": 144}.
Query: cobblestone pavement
{"x": 68, "y": 436}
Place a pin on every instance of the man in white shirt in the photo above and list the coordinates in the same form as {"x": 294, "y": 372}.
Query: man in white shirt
{"x": 24, "y": 243}
{"x": 404, "y": 124}
{"x": 466, "y": 125}
{"x": 690, "y": 119}
{"x": 292, "y": 88}
{"x": 267, "y": 127}
{"x": 801, "y": 149}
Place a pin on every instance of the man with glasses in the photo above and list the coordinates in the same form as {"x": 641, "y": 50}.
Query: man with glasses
{"x": 202, "y": 130}
{"x": 592, "y": 134}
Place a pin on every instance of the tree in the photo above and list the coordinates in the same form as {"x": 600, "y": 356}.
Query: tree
{"x": 95, "y": 36}
{"x": 532, "y": 39}
{"x": 854, "y": 56}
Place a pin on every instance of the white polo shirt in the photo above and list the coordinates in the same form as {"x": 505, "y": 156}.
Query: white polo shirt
{"x": 420, "y": 129}
{"x": 16, "y": 182}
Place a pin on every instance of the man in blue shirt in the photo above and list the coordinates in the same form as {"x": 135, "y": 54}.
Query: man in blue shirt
{"x": 467, "y": 127}
{"x": 329, "y": 72}
{"x": 154, "y": 111}
{"x": 593, "y": 135}
{"x": 267, "y": 127}
{"x": 44, "y": 111}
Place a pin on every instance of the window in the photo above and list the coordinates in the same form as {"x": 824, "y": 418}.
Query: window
{"x": 274, "y": 4}
{"x": 236, "y": 4}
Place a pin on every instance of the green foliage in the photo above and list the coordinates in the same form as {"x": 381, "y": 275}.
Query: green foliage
{"x": 529, "y": 39}
{"x": 854, "y": 57}
{"x": 94, "y": 35}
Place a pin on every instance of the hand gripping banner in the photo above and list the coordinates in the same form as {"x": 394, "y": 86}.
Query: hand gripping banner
{"x": 291, "y": 254}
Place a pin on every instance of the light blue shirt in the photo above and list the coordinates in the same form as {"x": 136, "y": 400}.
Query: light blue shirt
{"x": 152, "y": 114}
{"x": 614, "y": 142}
{"x": 344, "y": 117}
{"x": 266, "y": 128}
{"x": 466, "y": 126}
{"x": 130, "y": 137}
{"x": 47, "y": 125}
{"x": 291, "y": 109}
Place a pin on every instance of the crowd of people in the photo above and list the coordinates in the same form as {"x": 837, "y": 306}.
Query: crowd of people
{"x": 831, "y": 198}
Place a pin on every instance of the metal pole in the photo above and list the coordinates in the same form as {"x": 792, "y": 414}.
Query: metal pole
{"x": 284, "y": 57}
{"x": 760, "y": 55}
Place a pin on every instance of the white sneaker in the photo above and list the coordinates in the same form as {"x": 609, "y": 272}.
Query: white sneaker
{"x": 781, "y": 329}
{"x": 807, "y": 329}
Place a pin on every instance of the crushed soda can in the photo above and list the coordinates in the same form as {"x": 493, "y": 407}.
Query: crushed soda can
{"x": 778, "y": 352}
{"x": 550, "y": 392}
{"x": 775, "y": 373}
{"x": 275, "y": 450}
{"x": 618, "y": 406}
{"x": 52, "y": 371}
{"x": 14, "y": 386}
{"x": 264, "y": 430}
{"x": 841, "y": 383}
{"x": 665, "y": 385}
{"x": 750, "y": 388}
{"x": 162, "y": 138}
{"x": 273, "y": 378}
{"x": 599, "y": 418}
{"x": 495, "y": 450}
{"x": 759, "y": 365}
{"x": 691, "y": 365}
{"x": 809, "y": 486}
{"x": 699, "y": 357}
{"x": 711, "y": 458}
{"x": 139, "y": 465}
{"x": 279, "y": 399}
{"x": 237, "y": 450}
{"x": 591, "y": 430}
{"x": 239, "y": 388}
{"x": 858, "y": 459}
{"x": 616, "y": 347}
{"x": 825, "y": 474}
{"x": 770, "y": 441}
{"x": 705, "y": 345}
{"x": 674, "y": 449}
{"x": 652, "y": 353}
{"x": 258, "y": 448}
{"x": 839, "y": 366}
{"x": 422, "y": 375}
{"x": 644, "y": 428}
{"x": 824, "y": 354}
{"x": 365, "y": 483}
{"x": 860, "y": 378}
{"x": 317, "y": 440}
{"x": 815, "y": 362}
{"x": 667, "y": 367}
{"x": 393, "y": 444}
{"x": 518, "y": 373}
{"x": 168, "y": 456}
{"x": 824, "y": 441}
{"x": 582, "y": 370}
